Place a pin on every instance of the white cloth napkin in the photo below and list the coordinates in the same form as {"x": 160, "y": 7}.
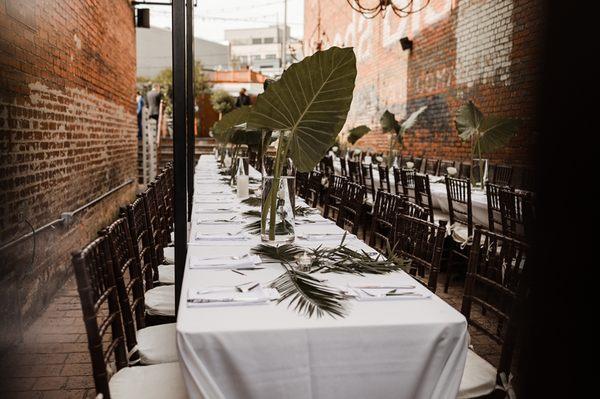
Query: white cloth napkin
{"x": 217, "y": 210}
{"x": 325, "y": 237}
{"x": 385, "y": 292}
{"x": 219, "y": 221}
{"x": 240, "y": 236}
{"x": 223, "y": 262}
{"x": 228, "y": 296}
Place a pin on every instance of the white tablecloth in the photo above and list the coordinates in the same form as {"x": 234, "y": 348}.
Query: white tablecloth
{"x": 403, "y": 348}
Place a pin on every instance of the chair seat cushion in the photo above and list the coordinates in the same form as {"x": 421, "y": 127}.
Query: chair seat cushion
{"x": 160, "y": 301}
{"x": 158, "y": 381}
{"x": 460, "y": 233}
{"x": 479, "y": 377}
{"x": 169, "y": 255}
{"x": 166, "y": 274}
{"x": 157, "y": 344}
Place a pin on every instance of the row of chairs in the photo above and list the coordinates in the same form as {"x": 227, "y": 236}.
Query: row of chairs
{"x": 495, "y": 286}
{"x": 125, "y": 283}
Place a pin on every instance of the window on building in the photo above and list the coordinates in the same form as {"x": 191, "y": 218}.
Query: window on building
{"x": 255, "y": 57}
{"x": 270, "y": 56}
{"x": 256, "y": 40}
{"x": 268, "y": 40}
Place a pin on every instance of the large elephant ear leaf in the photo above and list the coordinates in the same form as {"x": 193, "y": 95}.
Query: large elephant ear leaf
{"x": 223, "y": 129}
{"x": 356, "y": 133}
{"x": 468, "y": 120}
{"x": 389, "y": 123}
{"x": 496, "y": 132}
{"x": 411, "y": 120}
{"x": 311, "y": 100}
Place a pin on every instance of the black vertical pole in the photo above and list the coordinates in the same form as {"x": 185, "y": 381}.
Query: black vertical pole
{"x": 191, "y": 140}
{"x": 179, "y": 143}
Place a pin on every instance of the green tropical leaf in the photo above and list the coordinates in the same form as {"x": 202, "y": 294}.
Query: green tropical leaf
{"x": 356, "y": 133}
{"x": 311, "y": 100}
{"x": 389, "y": 123}
{"x": 468, "y": 121}
{"x": 496, "y": 132}
{"x": 308, "y": 295}
{"x": 223, "y": 129}
{"x": 281, "y": 253}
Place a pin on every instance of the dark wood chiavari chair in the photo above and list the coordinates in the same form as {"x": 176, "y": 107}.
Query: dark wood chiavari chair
{"x": 163, "y": 208}
{"x": 268, "y": 165}
{"x": 141, "y": 232}
{"x": 492, "y": 193}
{"x": 163, "y": 254}
{"x": 351, "y": 211}
{"x": 398, "y": 190}
{"x": 366, "y": 179}
{"x": 326, "y": 165}
{"x": 516, "y": 213}
{"x": 384, "y": 178}
{"x": 411, "y": 209}
{"x": 460, "y": 213}
{"x": 302, "y": 184}
{"x": 354, "y": 172}
{"x": 444, "y": 165}
{"x": 407, "y": 177}
{"x": 423, "y": 194}
{"x": 106, "y": 340}
{"x": 497, "y": 283}
{"x": 315, "y": 188}
{"x": 343, "y": 167}
{"x": 159, "y": 302}
{"x": 432, "y": 166}
{"x": 464, "y": 170}
{"x": 501, "y": 175}
{"x": 382, "y": 221}
{"x": 418, "y": 164}
{"x": 423, "y": 243}
{"x": 333, "y": 196}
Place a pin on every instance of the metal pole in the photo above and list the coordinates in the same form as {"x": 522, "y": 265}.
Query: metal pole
{"x": 284, "y": 40}
{"x": 179, "y": 143}
{"x": 191, "y": 140}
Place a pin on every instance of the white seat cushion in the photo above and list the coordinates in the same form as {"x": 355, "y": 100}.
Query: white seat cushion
{"x": 160, "y": 301}
{"x": 172, "y": 236}
{"x": 158, "y": 381}
{"x": 460, "y": 233}
{"x": 166, "y": 274}
{"x": 169, "y": 254}
{"x": 157, "y": 344}
{"x": 479, "y": 377}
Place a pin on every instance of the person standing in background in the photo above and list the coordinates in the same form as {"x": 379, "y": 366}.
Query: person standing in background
{"x": 154, "y": 97}
{"x": 140, "y": 105}
{"x": 243, "y": 99}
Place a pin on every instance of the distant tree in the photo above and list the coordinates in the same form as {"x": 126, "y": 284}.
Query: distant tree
{"x": 222, "y": 102}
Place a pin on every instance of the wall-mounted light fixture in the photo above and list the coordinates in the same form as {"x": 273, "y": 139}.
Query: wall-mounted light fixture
{"x": 406, "y": 43}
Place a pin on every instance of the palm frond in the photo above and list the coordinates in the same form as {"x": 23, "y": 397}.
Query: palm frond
{"x": 252, "y": 213}
{"x": 284, "y": 253}
{"x": 304, "y": 210}
{"x": 308, "y": 295}
{"x": 252, "y": 201}
{"x": 253, "y": 228}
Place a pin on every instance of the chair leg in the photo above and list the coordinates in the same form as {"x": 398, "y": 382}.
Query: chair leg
{"x": 449, "y": 268}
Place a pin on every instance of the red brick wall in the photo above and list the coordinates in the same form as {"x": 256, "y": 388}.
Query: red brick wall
{"x": 67, "y": 136}
{"x": 484, "y": 50}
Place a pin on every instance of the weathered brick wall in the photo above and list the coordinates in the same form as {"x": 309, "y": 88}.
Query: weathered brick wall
{"x": 484, "y": 50}
{"x": 67, "y": 136}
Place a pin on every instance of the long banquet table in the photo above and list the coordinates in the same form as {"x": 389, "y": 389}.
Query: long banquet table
{"x": 390, "y": 348}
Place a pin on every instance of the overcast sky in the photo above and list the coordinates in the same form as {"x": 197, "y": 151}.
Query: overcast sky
{"x": 212, "y": 17}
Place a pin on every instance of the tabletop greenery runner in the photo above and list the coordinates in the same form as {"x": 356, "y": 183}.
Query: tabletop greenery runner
{"x": 486, "y": 133}
{"x": 308, "y": 105}
{"x": 390, "y": 124}
{"x": 310, "y": 295}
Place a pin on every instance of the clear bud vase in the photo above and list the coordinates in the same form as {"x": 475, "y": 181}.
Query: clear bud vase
{"x": 479, "y": 173}
{"x": 278, "y": 202}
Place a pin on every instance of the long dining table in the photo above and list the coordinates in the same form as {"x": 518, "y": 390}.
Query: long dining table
{"x": 412, "y": 346}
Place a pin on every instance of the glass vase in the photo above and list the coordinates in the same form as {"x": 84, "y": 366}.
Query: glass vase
{"x": 278, "y": 202}
{"x": 479, "y": 173}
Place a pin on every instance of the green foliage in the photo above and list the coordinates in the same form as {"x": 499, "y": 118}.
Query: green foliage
{"x": 356, "y": 133}
{"x": 221, "y": 101}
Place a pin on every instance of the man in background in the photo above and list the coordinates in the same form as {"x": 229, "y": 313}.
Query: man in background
{"x": 243, "y": 99}
{"x": 154, "y": 97}
{"x": 140, "y": 105}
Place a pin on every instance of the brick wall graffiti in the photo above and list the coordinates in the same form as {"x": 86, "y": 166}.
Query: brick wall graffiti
{"x": 482, "y": 50}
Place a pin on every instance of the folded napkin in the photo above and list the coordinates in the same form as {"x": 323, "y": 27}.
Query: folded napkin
{"x": 224, "y": 262}
{"x": 239, "y": 236}
{"x": 436, "y": 179}
{"x": 214, "y": 201}
{"x": 325, "y": 236}
{"x": 233, "y": 220}
{"x": 223, "y": 296}
{"x": 313, "y": 219}
{"x": 379, "y": 292}
{"x": 217, "y": 210}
